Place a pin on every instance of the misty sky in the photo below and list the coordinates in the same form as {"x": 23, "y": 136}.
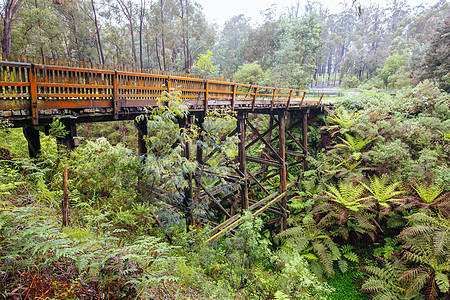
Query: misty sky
{"x": 220, "y": 11}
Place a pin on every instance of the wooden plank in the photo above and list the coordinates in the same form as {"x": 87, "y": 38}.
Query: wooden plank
{"x": 263, "y": 161}
{"x": 116, "y": 95}
{"x": 206, "y": 97}
{"x": 289, "y": 100}
{"x": 268, "y": 145}
{"x": 74, "y": 104}
{"x": 273, "y": 98}
{"x": 211, "y": 196}
{"x": 257, "y": 182}
{"x": 33, "y": 96}
{"x": 283, "y": 169}
{"x": 254, "y": 98}
{"x": 241, "y": 124}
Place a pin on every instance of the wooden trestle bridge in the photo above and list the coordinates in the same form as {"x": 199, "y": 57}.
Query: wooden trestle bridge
{"x": 32, "y": 93}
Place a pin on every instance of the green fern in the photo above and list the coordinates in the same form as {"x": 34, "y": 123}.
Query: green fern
{"x": 442, "y": 282}
{"x": 383, "y": 281}
{"x": 345, "y": 211}
{"x": 341, "y": 121}
{"x": 347, "y": 195}
{"x": 353, "y": 144}
{"x": 281, "y": 296}
{"x": 382, "y": 191}
{"x": 427, "y": 246}
{"x": 312, "y": 243}
{"x": 427, "y": 192}
{"x": 347, "y": 252}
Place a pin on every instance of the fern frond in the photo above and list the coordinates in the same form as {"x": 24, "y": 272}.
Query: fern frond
{"x": 410, "y": 275}
{"x": 333, "y": 248}
{"x": 428, "y": 193}
{"x": 413, "y": 257}
{"x": 378, "y": 272}
{"x": 415, "y": 231}
{"x": 324, "y": 258}
{"x": 382, "y": 191}
{"x": 417, "y": 284}
{"x": 373, "y": 285}
{"x": 442, "y": 282}
{"x": 342, "y": 264}
{"x": 352, "y": 256}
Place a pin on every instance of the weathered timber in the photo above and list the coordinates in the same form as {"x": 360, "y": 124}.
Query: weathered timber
{"x": 89, "y": 95}
{"x": 81, "y": 94}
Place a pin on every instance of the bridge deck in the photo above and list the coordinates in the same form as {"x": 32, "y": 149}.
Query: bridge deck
{"x": 32, "y": 94}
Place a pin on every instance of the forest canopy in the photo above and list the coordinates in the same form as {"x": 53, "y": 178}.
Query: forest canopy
{"x": 368, "y": 206}
{"x": 392, "y": 47}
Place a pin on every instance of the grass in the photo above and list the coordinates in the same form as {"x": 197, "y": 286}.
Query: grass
{"x": 346, "y": 285}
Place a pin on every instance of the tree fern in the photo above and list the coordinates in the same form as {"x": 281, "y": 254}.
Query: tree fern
{"x": 347, "y": 195}
{"x": 427, "y": 192}
{"x": 427, "y": 246}
{"x": 308, "y": 237}
{"x": 382, "y": 191}
{"x": 345, "y": 211}
{"x": 353, "y": 144}
{"x": 341, "y": 121}
{"x": 383, "y": 281}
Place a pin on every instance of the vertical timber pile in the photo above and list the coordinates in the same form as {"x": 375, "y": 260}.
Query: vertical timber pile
{"x": 305, "y": 138}
{"x": 34, "y": 142}
{"x": 141, "y": 127}
{"x": 283, "y": 168}
{"x": 188, "y": 191}
{"x": 69, "y": 141}
{"x": 241, "y": 125}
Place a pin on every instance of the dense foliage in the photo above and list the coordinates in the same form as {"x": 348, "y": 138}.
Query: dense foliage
{"x": 369, "y": 219}
{"x": 392, "y": 46}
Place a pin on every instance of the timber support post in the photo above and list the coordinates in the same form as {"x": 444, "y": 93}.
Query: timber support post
{"x": 283, "y": 168}
{"x": 305, "y": 139}
{"x": 141, "y": 127}
{"x": 241, "y": 125}
{"x": 70, "y": 140}
{"x": 199, "y": 153}
{"x": 34, "y": 141}
{"x": 188, "y": 191}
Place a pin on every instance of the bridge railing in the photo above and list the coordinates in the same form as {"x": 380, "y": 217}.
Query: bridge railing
{"x": 34, "y": 89}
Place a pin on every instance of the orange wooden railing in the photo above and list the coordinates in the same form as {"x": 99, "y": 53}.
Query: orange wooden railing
{"x": 28, "y": 89}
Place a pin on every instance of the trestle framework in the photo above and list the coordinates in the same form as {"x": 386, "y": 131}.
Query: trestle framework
{"x": 31, "y": 95}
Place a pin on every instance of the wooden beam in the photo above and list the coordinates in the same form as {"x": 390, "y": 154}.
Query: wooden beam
{"x": 116, "y": 95}
{"x": 268, "y": 145}
{"x": 305, "y": 138}
{"x": 257, "y": 182}
{"x": 33, "y": 96}
{"x": 254, "y": 98}
{"x": 263, "y": 161}
{"x": 241, "y": 125}
{"x": 269, "y": 130}
{"x": 297, "y": 142}
{"x": 206, "y": 97}
{"x": 199, "y": 152}
{"x": 283, "y": 169}
{"x": 233, "y": 97}
{"x": 211, "y": 196}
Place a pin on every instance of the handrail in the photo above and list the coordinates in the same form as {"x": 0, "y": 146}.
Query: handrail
{"x": 41, "y": 87}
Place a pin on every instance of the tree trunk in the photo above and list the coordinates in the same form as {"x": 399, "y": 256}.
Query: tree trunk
{"x": 11, "y": 8}
{"x": 162, "y": 36}
{"x": 183, "y": 29}
{"x": 188, "y": 54}
{"x": 98, "y": 33}
{"x": 141, "y": 25}
{"x": 157, "y": 53}
{"x": 133, "y": 47}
